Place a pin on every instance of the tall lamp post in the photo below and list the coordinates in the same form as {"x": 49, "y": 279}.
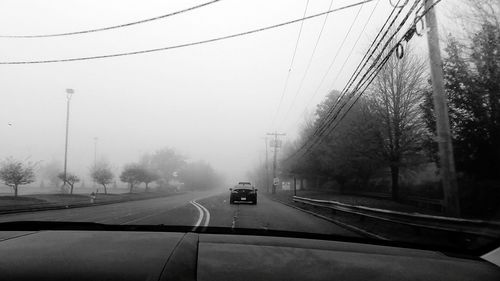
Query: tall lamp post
{"x": 69, "y": 93}
{"x": 95, "y": 157}
{"x": 95, "y": 150}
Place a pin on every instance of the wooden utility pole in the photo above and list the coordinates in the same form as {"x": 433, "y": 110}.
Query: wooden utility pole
{"x": 294, "y": 186}
{"x": 276, "y": 144}
{"x": 267, "y": 166}
{"x": 446, "y": 159}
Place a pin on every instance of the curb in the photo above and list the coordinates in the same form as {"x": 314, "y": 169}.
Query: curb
{"x": 73, "y": 206}
{"x": 337, "y": 222}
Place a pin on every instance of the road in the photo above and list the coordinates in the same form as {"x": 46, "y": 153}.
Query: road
{"x": 192, "y": 208}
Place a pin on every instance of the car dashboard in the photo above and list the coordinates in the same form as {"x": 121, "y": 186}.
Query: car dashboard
{"x": 145, "y": 255}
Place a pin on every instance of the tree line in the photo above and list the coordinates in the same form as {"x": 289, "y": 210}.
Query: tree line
{"x": 167, "y": 168}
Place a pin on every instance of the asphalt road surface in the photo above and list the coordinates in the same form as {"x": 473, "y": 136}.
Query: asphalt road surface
{"x": 192, "y": 208}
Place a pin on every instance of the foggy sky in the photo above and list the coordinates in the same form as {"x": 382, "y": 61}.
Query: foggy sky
{"x": 213, "y": 102}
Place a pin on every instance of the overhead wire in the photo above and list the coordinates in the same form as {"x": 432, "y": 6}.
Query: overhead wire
{"x": 354, "y": 46}
{"x": 114, "y": 26}
{"x": 393, "y": 49}
{"x": 186, "y": 44}
{"x": 331, "y": 114}
{"x": 364, "y": 61}
{"x": 291, "y": 64}
{"x": 346, "y": 88}
{"x": 328, "y": 121}
{"x": 371, "y": 76}
{"x": 338, "y": 51}
{"x": 334, "y": 59}
{"x": 310, "y": 61}
{"x": 343, "y": 65}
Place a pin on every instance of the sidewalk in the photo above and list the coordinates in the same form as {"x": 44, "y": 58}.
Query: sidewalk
{"x": 41, "y": 202}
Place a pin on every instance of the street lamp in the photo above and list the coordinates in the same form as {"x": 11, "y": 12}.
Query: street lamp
{"x": 69, "y": 93}
{"x": 95, "y": 157}
{"x": 95, "y": 150}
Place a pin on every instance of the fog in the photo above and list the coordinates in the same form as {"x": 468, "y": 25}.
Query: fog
{"x": 213, "y": 102}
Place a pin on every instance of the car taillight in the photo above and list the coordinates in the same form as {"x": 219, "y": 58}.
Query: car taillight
{"x": 234, "y": 191}
{"x": 253, "y": 192}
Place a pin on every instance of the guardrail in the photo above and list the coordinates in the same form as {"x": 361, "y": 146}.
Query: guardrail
{"x": 483, "y": 228}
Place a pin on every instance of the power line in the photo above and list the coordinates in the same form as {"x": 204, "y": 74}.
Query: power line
{"x": 417, "y": 19}
{"x": 355, "y": 44}
{"x": 190, "y": 43}
{"x": 325, "y": 124}
{"x": 343, "y": 65}
{"x": 365, "y": 59}
{"x": 334, "y": 59}
{"x": 371, "y": 76}
{"x": 345, "y": 90}
{"x": 362, "y": 64}
{"x": 114, "y": 26}
{"x": 291, "y": 64}
{"x": 338, "y": 51}
{"x": 309, "y": 62}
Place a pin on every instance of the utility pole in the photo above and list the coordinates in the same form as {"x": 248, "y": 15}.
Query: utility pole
{"x": 294, "y": 186}
{"x": 276, "y": 144}
{"x": 446, "y": 159}
{"x": 267, "y": 166}
{"x": 69, "y": 93}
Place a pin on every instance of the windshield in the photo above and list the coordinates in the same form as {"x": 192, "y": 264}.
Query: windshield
{"x": 371, "y": 119}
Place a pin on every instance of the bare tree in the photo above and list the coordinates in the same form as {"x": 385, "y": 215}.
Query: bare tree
{"x": 150, "y": 174}
{"x": 15, "y": 173}
{"x": 396, "y": 94}
{"x": 165, "y": 163}
{"x": 71, "y": 179}
{"x": 101, "y": 174}
{"x": 474, "y": 13}
{"x": 147, "y": 176}
{"x": 132, "y": 174}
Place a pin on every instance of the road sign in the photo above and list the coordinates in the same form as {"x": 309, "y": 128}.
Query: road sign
{"x": 276, "y": 181}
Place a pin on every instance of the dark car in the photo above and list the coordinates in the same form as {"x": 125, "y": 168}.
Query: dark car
{"x": 243, "y": 192}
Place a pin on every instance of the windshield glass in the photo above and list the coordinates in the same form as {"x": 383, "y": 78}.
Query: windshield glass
{"x": 372, "y": 119}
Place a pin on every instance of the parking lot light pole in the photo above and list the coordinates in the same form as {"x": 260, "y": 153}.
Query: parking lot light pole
{"x": 69, "y": 93}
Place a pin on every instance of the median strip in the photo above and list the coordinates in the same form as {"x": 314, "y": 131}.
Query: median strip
{"x": 80, "y": 204}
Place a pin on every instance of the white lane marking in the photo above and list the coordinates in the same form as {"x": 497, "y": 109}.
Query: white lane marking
{"x": 235, "y": 218}
{"x": 233, "y": 224}
{"x": 200, "y": 217}
{"x": 207, "y": 213}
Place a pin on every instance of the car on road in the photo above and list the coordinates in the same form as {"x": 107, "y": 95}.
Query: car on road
{"x": 243, "y": 192}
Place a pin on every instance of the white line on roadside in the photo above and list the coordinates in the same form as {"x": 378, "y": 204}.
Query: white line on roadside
{"x": 200, "y": 217}
{"x": 207, "y": 213}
